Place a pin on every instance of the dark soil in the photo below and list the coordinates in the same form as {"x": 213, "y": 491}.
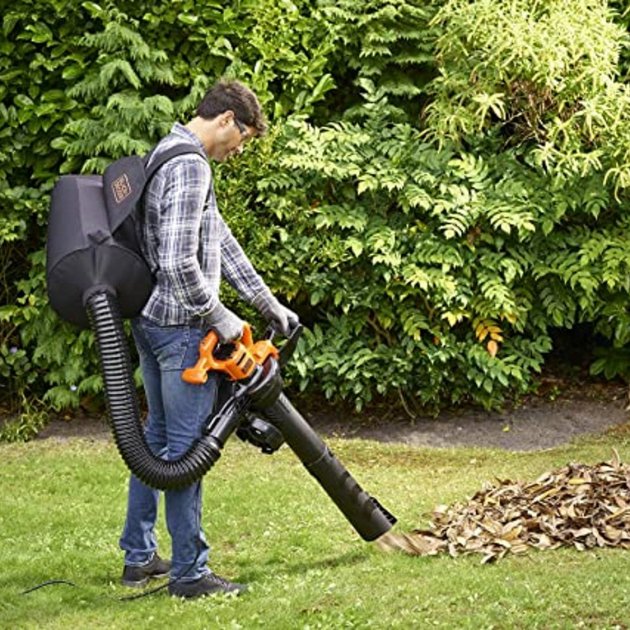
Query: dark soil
{"x": 558, "y": 414}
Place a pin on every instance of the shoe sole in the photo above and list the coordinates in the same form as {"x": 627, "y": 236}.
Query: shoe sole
{"x": 144, "y": 581}
{"x": 218, "y": 592}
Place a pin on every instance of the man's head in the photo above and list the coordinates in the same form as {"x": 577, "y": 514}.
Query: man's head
{"x": 228, "y": 115}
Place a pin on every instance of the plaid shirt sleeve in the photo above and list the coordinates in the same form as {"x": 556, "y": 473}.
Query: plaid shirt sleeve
{"x": 184, "y": 199}
{"x": 237, "y": 269}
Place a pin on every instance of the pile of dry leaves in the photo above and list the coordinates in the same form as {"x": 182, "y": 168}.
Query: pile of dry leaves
{"x": 578, "y": 505}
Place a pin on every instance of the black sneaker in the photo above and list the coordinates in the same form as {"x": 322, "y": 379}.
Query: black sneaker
{"x": 208, "y": 584}
{"x": 140, "y": 576}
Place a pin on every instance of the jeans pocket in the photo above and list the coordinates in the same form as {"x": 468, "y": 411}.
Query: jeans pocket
{"x": 169, "y": 344}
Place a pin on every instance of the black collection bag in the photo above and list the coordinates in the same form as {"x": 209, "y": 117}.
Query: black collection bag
{"x": 92, "y": 240}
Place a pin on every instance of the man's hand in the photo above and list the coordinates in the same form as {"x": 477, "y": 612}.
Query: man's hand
{"x": 226, "y": 324}
{"x": 281, "y": 319}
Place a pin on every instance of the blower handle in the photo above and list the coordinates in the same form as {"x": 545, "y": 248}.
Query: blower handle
{"x": 288, "y": 348}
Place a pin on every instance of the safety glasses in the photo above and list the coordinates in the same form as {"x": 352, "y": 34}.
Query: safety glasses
{"x": 241, "y": 127}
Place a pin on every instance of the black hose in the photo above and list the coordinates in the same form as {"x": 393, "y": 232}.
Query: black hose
{"x": 123, "y": 409}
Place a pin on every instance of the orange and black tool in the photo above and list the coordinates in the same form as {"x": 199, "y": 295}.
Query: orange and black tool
{"x": 259, "y": 412}
{"x": 244, "y": 356}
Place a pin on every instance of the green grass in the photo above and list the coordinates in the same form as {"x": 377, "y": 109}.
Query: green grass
{"x": 63, "y": 503}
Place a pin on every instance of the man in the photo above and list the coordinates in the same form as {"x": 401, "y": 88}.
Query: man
{"x": 189, "y": 247}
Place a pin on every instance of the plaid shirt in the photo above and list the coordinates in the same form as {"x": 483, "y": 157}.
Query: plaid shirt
{"x": 186, "y": 242}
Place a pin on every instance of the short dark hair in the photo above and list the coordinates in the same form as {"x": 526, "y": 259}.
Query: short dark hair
{"x": 239, "y": 98}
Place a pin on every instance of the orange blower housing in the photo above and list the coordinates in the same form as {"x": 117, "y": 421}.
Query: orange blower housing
{"x": 244, "y": 356}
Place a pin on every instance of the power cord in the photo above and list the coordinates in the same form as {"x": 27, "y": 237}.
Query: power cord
{"x": 48, "y": 583}
{"x": 126, "y": 598}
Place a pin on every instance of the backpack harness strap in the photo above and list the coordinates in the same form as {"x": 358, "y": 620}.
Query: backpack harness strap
{"x": 169, "y": 154}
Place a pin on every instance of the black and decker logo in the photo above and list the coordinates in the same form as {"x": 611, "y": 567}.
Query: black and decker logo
{"x": 121, "y": 188}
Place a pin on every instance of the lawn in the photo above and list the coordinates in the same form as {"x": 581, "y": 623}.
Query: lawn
{"x": 62, "y": 506}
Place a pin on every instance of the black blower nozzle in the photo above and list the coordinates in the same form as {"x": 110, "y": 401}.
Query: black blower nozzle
{"x": 370, "y": 519}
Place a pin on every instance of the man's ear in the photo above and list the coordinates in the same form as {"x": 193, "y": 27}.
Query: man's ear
{"x": 227, "y": 117}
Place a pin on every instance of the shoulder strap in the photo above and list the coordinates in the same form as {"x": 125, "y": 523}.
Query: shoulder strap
{"x": 125, "y": 180}
{"x": 169, "y": 154}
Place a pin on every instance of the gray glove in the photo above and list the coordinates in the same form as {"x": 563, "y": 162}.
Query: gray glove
{"x": 281, "y": 319}
{"x": 226, "y": 324}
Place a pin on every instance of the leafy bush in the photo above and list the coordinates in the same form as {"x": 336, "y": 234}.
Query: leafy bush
{"x": 543, "y": 74}
{"x": 26, "y": 424}
{"x": 621, "y": 14}
{"x": 443, "y": 183}
{"x": 441, "y": 260}
{"x": 109, "y": 82}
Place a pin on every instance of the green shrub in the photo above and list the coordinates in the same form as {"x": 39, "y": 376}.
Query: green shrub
{"x": 26, "y": 423}
{"x": 80, "y": 86}
{"x": 441, "y": 260}
{"x": 443, "y": 183}
{"x": 621, "y": 14}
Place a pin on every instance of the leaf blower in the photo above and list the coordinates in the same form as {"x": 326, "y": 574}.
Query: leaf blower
{"x": 96, "y": 276}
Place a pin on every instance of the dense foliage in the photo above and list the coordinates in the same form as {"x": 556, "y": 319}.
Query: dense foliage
{"x": 444, "y": 184}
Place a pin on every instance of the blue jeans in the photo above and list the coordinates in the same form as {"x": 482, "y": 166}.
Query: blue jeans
{"x": 178, "y": 411}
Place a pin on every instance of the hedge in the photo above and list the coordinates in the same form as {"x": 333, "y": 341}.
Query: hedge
{"x": 445, "y": 183}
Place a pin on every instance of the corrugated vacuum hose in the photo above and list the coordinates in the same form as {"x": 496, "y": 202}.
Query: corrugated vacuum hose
{"x": 124, "y": 412}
